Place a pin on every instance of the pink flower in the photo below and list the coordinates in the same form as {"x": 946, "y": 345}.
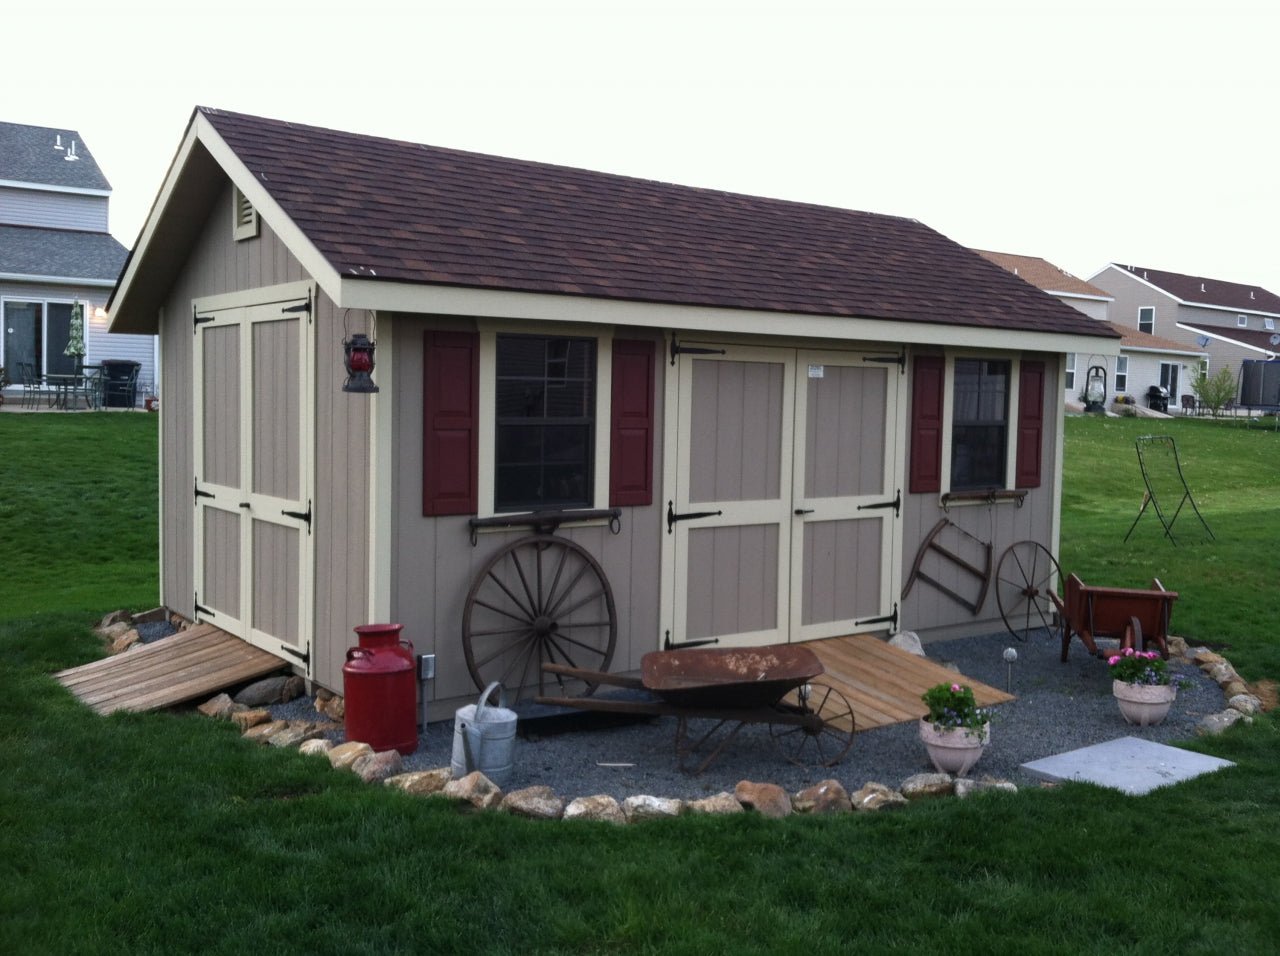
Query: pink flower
{"x": 955, "y": 688}
{"x": 1113, "y": 661}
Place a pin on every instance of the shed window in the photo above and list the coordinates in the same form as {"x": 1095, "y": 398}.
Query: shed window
{"x": 979, "y": 424}
{"x": 1147, "y": 319}
{"x": 987, "y": 449}
{"x": 544, "y": 422}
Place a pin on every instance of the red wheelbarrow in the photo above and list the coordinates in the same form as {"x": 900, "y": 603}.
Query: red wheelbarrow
{"x": 1137, "y": 617}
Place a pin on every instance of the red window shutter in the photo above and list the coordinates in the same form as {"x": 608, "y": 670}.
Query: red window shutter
{"x": 450, "y": 423}
{"x": 1030, "y": 424}
{"x": 927, "y": 397}
{"x": 631, "y": 428}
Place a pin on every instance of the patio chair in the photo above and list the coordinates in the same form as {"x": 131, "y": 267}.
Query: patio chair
{"x": 1188, "y": 404}
{"x": 32, "y": 385}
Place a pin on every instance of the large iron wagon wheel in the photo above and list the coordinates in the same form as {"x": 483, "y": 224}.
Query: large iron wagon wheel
{"x": 541, "y": 598}
{"x": 1025, "y": 577}
{"x": 824, "y": 739}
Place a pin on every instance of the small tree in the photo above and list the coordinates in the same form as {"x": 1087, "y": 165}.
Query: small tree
{"x": 1215, "y": 391}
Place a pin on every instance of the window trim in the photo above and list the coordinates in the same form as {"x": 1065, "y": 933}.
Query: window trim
{"x": 1122, "y": 387}
{"x": 1242, "y": 321}
{"x": 1069, "y": 373}
{"x": 487, "y": 431}
{"x": 1151, "y": 320}
{"x": 1011, "y": 418}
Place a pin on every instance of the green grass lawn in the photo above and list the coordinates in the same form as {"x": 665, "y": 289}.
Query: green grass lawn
{"x": 167, "y": 833}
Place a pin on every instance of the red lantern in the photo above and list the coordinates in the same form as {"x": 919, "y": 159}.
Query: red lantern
{"x": 359, "y": 362}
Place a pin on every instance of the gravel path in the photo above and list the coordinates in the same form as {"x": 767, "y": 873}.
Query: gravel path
{"x": 1059, "y": 707}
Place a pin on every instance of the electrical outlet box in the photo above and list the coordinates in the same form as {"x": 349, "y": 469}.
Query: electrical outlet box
{"x": 426, "y": 666}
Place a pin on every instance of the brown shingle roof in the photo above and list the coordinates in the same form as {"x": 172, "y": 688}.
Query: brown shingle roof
{"x": 1133, "y": 339}
{"x": 403, "y": 211}
{"x": 1203, "y": 291}
{"x": 1043, "y": 274}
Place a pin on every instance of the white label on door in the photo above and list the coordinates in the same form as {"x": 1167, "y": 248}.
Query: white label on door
{"x": 815, "y": 371}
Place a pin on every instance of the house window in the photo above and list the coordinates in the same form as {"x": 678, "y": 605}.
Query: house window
{"x": 979, "y": 424}
{"x": 1071, "y": 371}
{"x": 1147, "y": 319}
{"x": 37, "y": 333}
{"x": 1242, "y": 321}
{"x": 1122, "y": 374}
{"x": 1169, "y": 377}
{"x": 545, "y": 423}
{"x": 1269, "y": 324}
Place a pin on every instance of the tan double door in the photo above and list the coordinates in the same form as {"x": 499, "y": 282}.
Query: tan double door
{"x": 783, "y": 515}
{"x": 253, "y": 555}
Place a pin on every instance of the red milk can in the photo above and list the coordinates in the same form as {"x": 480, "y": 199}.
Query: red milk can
{"x": 380, "y": 689}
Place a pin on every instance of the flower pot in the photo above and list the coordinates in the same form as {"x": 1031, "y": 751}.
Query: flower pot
{"x": 1143, "y": 704}
{"x": 954, "y": 750}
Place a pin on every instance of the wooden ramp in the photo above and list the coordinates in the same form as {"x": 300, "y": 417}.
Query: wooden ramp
{"x": 195, "y": 663}
{"x": 884, "y": 683}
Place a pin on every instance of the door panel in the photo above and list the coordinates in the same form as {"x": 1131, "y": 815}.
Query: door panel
{"x": 253, "y": 553}
{"x": 732, "y": 560}
{"x": 782, "y": 515}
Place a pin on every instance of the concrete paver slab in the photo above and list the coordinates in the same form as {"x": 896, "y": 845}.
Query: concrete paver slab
{"x": 1129, "y": 764}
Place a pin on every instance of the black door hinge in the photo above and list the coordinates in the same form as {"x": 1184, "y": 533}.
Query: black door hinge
{"x": 672, "y": 517}
{"x": 678, "y": 349}
{"x": 890, "y": 619}
{"x": 895, "y": 504}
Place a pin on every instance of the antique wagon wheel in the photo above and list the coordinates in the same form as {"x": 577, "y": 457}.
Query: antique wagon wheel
{"x": 541, "y": 598}
{"x": 825, "y": 740}
{"x": 1026, "y": 575}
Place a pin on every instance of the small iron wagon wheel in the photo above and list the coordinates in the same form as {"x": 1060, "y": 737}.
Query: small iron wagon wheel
{"x": 826, "y": 738}
{"x": 1025, "y": 577}
{"x": 541, "y": 598}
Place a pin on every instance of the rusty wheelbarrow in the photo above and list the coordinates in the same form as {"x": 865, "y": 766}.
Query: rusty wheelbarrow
{"x": 811, "y": 723}
{"x": 1137, "y": 617}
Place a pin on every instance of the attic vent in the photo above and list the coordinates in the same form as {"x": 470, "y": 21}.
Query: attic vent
{"x": 246, "y": 217}
{"x": 57, "y": 142}
{"x": 71, "y": 152}
{"x": 1201, "y": 286}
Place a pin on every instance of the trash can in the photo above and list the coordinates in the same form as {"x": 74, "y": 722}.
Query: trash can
{"x": 120, "y": 383}
{"x": 1158, "y": 398}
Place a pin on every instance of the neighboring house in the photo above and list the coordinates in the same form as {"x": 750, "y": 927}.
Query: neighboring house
{"x": 1144, "y": 360}
{"x": 1231, "y": 322}
{"x": 781, "y": 401}
{"x": 55, "y": 251}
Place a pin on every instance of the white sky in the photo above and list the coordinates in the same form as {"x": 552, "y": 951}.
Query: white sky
{"x": 1085, "y": 132}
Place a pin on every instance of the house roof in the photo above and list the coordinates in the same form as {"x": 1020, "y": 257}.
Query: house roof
{"x": 1133, "y": 339}
{"x": 385, "y": 211}
{"x": 28, "y": 154}
{"x": 1199, "y": 290}
{"x": 1044, "y": 275}
{"x": 29, "y": 251}
{"x": 1257, "y": 340}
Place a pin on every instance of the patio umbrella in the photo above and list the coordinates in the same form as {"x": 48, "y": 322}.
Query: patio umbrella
{"x": 75, "y": 336}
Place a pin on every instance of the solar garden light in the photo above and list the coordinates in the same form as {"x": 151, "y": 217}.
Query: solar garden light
{"x": 1010, "y": 655}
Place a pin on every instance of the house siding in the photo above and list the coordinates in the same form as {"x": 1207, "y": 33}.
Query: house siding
{"x": 435, "y": 563}
{"x": 53, "y": 210}
{"x": 218, "y": 265}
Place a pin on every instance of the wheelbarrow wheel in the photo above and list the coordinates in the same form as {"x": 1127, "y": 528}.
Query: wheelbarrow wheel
{"x": 821, "y": 741}
{"x": 540, "y": 599}
{"x": 1025, "y": 577}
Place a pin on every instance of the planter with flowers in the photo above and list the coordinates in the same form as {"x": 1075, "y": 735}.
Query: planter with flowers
{"x": 956, "y": 730}
{"x": 1143, "y": 686}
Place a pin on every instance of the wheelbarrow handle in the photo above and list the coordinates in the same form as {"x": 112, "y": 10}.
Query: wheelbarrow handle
{"x": 593, "y": 677}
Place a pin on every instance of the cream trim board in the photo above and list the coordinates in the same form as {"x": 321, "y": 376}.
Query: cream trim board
{"x": 488, "y": 381}
{"x": 381, "y": 480}
{"x": 695, "y": 320}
